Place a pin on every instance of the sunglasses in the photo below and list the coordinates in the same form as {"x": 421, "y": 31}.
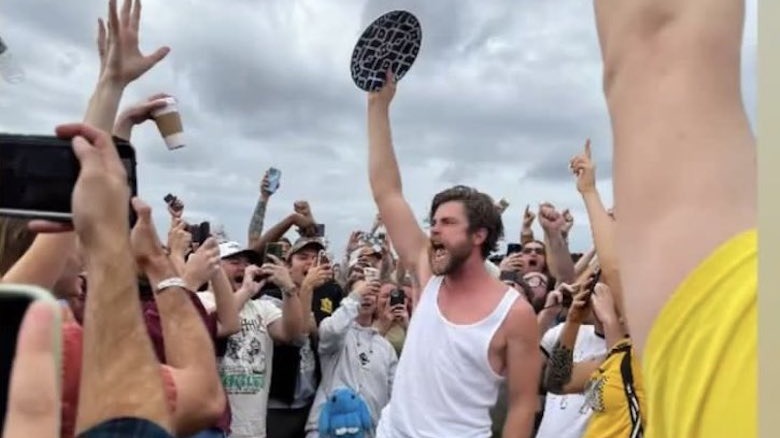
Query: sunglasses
{"x": 539, "y": 251}
{"x": 535, "y": 281}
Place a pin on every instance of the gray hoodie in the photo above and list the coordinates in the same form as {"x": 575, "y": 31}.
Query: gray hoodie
{"x": 355, "y": 357}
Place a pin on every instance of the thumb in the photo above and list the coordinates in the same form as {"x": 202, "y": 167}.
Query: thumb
{"x": 158, "y": 55}
{"x": 33, "y": 404}
{"x": 142, "y": 209}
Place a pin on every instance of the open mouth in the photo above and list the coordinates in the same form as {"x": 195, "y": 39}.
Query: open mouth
{"x": 532, "y": 263}
{"x": 438, "y": 251}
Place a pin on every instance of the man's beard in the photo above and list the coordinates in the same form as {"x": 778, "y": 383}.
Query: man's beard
{"x": 452, "y": 259}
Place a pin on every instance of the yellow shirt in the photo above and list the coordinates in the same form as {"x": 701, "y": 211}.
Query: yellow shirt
{"x": 700, "y": 361}
{"x": 616, "y": 395}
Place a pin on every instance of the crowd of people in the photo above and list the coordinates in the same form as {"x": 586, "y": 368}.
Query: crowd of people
{"x": 412, "y": 333}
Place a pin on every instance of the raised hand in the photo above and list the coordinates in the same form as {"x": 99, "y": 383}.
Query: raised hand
{"x": 265, "y": 186}
{"x": 528, "y": 217}
{"x": 203, "y": 264}
{"x": 384, "y": 95}
{"x": 136, "y": 114}
{"x": 143, "y": 238}
{"x": 179, "y": 239}
{"x": 551, "y": 219}
{"x": 583, "y": 169}
{"x": 580, "y": 306}
{"x": 318, "y": 275}
{"x": 512, "y": 262}
{"x": 401, "y": 315}
{"x": 121, "y": 61}
{"x": 277, "y": 273}
{"x": 569, "y": 219}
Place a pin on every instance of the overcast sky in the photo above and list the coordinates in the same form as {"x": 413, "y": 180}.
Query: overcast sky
{"x": 503, "y": 93}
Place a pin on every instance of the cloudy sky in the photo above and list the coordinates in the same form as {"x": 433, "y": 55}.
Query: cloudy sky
{"x": 503, "y": 93}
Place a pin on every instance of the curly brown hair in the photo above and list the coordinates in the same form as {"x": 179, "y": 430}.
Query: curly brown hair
{"x": 480, "y": 210}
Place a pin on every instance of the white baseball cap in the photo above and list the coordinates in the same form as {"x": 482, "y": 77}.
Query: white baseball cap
{"x": 230, "y": 249}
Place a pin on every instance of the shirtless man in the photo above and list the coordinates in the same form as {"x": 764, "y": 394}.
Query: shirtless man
{"x": 685, "y": 193}
{"x": 468, "y": 332}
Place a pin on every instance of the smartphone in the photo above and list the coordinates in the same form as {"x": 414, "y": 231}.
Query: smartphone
{"x": 275, "y": 249}
{"x": 397, "y": 297}
{"x": 320, "y": 230}
{"x": 513, "y": 248}
{"x": 200, "y": 233}
{"x": 322, "y": 258}
{"x": 509, "y": 276}
{"x": 170, "y": 200}
{"x": 38, "y": 173}
{"x": 371, "y": 274}
{"x": 14, "y": 301}
{"x": 274, "y": 179}
{"x": 503, "y": 204}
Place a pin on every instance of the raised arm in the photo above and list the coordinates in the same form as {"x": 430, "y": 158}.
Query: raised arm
{"x": 333, "y": 329}
{"x": 602, "y": 226}
{"x": 275, "y": 233}
{"x": 527, "y": 232}
{"x": 292, "y": 325}
{"x": 255, "y": 232}
{"x": 562, "y": 375}
{"x": 385, "y": 178}
{"x": 558, "y": 256}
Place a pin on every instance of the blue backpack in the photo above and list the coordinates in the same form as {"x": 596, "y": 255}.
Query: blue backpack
{"x": 345, "y": 415}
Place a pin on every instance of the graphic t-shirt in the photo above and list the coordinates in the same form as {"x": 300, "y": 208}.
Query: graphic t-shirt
{"x": 245, "y": 368}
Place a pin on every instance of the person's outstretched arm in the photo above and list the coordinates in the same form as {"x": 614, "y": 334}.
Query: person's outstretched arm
{"x": 408, "y": 237}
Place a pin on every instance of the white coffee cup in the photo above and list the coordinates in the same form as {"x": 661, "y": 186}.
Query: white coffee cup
{"x": 169, "y": 124}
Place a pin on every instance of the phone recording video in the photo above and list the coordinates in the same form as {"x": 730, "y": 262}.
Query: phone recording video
{"x": 397, "y": 298}
{"x": 200, "y": 233}
{"x": 509, "y": 277}
{"x": 320, "y": 230}
{"x": 322, "y": 258}
{"x": 274, "y": 179}
{"x": 38, "y": 173}
{"x": 274, "y": 249}
{"x": 513, "y": 248}
{"x": 14, "y": 301}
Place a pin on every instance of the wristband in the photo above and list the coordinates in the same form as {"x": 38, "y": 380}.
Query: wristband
{"x": 290, "y": 292}
{"x": 169, "y": 283}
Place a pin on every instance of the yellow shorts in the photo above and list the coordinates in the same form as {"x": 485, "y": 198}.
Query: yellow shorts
{"x": 701, "y": 359}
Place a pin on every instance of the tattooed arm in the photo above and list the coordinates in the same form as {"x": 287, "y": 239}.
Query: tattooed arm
{"x": 258, "y": 217}
{"x": 561, "y": 374}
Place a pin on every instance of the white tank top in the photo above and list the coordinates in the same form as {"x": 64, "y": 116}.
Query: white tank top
{"x": 444, "y": 385}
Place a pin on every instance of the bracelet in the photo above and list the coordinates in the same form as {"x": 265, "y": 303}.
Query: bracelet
{"x": 169, "y": 283}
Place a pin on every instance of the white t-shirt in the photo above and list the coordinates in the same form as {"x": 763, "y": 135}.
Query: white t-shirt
{"x": 245, "y": 368}
{"x": 566, "y": 416}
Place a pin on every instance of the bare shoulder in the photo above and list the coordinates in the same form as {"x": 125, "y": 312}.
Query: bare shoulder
{"x": 521, "y": 322}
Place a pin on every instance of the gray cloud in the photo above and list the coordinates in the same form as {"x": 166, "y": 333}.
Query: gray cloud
{"x": 502, "y": 95}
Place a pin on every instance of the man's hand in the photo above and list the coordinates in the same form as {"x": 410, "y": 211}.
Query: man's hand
{"x": 554, "y": 299}
{"x": 384, "y": 96}
{"x": 569, "y": 222}
{"x": 401, "y": 315}
{"x": 528, "y": 217}
{"x": 265, "y": 186}
{"x": 277, "y": 273}
{"x": 317, "y": 276}
{"x": 143, "y": 239}
{"x": 583, "y": 169}
{"x": 121, "y": 60}
{"x": 136, "y": 114}
{"x": 580, "y": 306}
{"x": 512, "y": 262}
{"x": 203, "y": 264}
{"x": 354, "y": 241}
{"x": 252, "y": 282}
{"x": 550, "y": 219}
{"x": 179, "y": 239}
